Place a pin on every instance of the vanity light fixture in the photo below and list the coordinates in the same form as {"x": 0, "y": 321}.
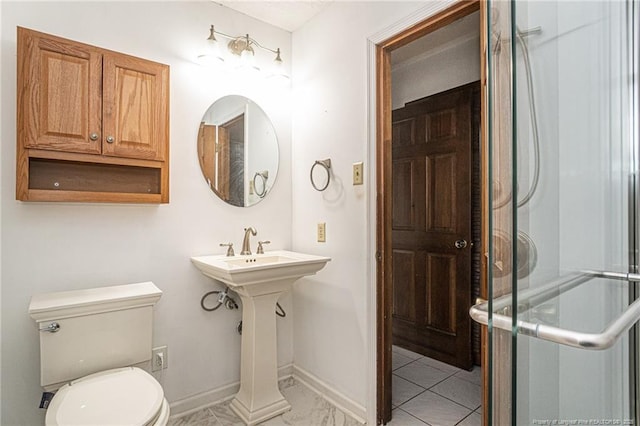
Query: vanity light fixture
{"x": 241, "y": 53}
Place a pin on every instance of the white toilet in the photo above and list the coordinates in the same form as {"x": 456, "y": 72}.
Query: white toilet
{"x": 90, "y": 342}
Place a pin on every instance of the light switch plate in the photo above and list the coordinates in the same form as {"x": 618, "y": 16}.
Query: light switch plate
{"x": 357, "y": 173}
{"x": 322, "y": 232}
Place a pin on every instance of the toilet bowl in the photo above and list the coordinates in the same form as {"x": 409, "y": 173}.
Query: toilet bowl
{"x": 122, "y": 396}
{"x": 90, "y": 342}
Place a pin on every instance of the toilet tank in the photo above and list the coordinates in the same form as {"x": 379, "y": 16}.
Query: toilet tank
{"x": 99, "y": 329}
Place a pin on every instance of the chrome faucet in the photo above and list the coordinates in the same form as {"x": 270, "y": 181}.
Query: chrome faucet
{"x": 246, "y": 248}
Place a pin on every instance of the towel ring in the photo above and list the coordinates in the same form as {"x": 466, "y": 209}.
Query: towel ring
{"x": 326, "y": 164}
{"x": 264, "y": 175}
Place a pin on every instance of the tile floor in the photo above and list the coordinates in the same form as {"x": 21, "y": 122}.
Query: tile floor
{"x": 430, "y": 392}
{"x": 425, "y": 392}
{"x": 307, "y": 409}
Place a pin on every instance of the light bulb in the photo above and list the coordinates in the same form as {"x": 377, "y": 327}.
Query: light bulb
{"x": 246, "y": 63}
{"x": 278, "y": 71}
{"x": 246, "y": 58}
{"x": 212, "y": 54}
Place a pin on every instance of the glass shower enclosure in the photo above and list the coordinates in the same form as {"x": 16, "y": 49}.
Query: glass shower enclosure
{"x": 562, "y": 173}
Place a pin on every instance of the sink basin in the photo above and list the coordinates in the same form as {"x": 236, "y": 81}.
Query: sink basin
{"x": 259, "y": 280}
{"x": 237, "y": 271}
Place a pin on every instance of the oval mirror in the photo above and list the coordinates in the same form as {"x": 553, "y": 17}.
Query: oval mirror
{"x": 238, "y": 151}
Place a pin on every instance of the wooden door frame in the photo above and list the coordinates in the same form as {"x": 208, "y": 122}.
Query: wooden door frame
{"x": 384, "y": 278}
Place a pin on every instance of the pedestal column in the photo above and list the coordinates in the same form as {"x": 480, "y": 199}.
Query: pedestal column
{"x": 259, "y": 398}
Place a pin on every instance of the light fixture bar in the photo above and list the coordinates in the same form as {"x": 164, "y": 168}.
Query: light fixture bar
{"x": 244, "y": 38}
{"x": 243, "y": 48}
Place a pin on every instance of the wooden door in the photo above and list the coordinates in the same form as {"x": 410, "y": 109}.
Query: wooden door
{"x": 235, "y": 158}
{"x": 222, "y": 163}
{"x": 59, "y": 93}
{"x": 135, "y": 107}
{"x": 431, "y": 225}
{"x": 207, "y": 152}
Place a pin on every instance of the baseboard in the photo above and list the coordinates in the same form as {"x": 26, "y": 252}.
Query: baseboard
{"x": 344, "y": 403}
{"x": 197, "y": 402}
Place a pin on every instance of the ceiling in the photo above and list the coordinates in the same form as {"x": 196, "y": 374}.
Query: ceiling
{"x": 288, "y": 14}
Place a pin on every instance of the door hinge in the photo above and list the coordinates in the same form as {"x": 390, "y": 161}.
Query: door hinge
{"x": 378, "y": 256}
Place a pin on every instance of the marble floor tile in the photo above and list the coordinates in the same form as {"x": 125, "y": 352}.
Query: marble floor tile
{"x": 403, "y": 390}
{"x": 329, "y": 416}
{"x": 211, "y": 421}
{"x": 287, "y": 382}
{"x": 436, "y": 410}
{"x": 398, "y": 360}
{"x": 460, "y": 391}
{"x": 307, "y": 408}
{"x": 473, "y": 376}
{"x": 414, "y": 405}
{"x": 473, "y": 419}
{"x": 204, "y": 416}
{"x": 225, "y": 415}
{"x": 405, "y": 352}
{"x": 422, "y": 374}
{"x": 400, "y": 417}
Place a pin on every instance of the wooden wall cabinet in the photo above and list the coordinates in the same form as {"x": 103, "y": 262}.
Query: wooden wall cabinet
{"x": 92, "y": 124}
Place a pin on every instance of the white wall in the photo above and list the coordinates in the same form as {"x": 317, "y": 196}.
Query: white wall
{"x": 330, "y": 120}
{"x": 436, "y": 71}
{"x": 64, "y": 246}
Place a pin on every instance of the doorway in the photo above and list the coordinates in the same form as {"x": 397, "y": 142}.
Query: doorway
{"x": 388, "y": 260}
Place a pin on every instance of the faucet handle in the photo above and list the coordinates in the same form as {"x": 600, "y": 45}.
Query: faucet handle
{"x": 260, "y": 249}
{"x": 229, "y": 249}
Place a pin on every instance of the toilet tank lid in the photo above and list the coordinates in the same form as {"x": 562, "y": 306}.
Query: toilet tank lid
{"x": 65, "y": 304}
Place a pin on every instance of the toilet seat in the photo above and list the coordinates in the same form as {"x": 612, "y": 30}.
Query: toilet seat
{"x": 122, "y": 396}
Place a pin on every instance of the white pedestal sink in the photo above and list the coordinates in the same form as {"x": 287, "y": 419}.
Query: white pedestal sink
{"x": 259, "y": 280}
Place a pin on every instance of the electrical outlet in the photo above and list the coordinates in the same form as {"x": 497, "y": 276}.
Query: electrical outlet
{"x": 322, "y": 232}
{"x": 159, "y": 358}
{"x": 357, "y": 173}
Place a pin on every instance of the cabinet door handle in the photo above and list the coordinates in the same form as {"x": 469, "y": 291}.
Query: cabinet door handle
{"x": 110, "y": 139}
{"x": 94, "y": 136}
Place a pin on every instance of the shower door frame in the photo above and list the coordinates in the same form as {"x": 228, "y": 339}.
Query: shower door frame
{"x": 384, "y": 284}
{"x": 634, "y": 212}
{"x": 633, "y": 215}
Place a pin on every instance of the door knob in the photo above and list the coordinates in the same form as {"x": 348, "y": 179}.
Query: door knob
{"x": 110, "y": 139}
{"x": 93, "y": 136}
{"x": 460, "y": 244}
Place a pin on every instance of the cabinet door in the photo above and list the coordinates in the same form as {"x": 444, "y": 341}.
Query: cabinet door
{"x": 59, "y": 93}
{"x": 135, "y": 102}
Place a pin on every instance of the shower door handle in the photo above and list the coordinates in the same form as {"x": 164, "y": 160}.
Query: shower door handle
{"x": 583, "y": 340}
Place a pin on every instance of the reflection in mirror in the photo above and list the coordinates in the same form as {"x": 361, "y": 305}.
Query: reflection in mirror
{"x": 260, "y": 186}
{"x": 238, "y": 151}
